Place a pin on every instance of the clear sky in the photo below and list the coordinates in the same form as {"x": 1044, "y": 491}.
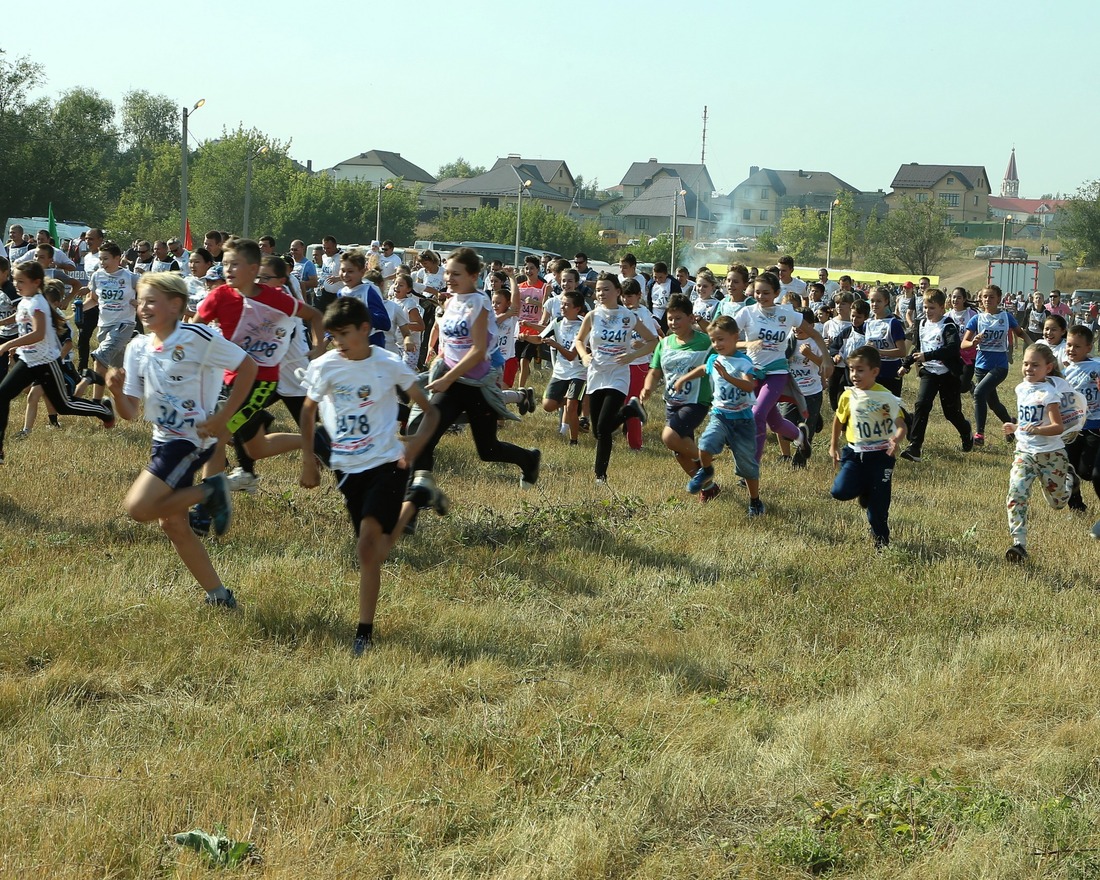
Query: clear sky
{"x": 848, "y": 86}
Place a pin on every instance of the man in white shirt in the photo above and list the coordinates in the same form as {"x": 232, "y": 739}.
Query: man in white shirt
{"x": 181, "y": 255}
{"x": 61, "y": 259}
{"x": 787, "y": 282}
{"x": 831, "y": 287}
{"x": 328, "y": 273}
{"x": 388, "y": 263}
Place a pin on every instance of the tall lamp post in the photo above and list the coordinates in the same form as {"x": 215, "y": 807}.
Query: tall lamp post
{"x": 829, "y": 241}
{"x": 183, "y": 170}
{"x": 1004, "y": 233}
{"x": 248, "y": 188}
{"x": 675, "y": 213}
{"x": 378, "y": 217}
{"x": 523, "y": 184}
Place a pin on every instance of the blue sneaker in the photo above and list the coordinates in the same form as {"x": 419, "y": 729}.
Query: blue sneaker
{"x": 756, "y": 507}
{"x": 218, "y": 504}
{"x": 229, "y": 602}
{"x": 361, "y": 645}
{"x": 703, "y": 479}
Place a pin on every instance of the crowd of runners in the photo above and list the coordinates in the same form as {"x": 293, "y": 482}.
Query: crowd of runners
{"x": 378, "y": 358}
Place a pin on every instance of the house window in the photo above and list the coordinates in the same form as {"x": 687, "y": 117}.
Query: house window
{"x": 765, "y": 193}
{"x": 951, "y": 200}
{"x": 922, "y": 197}
{"x": 637, "y": 191}
{"x": 975, "y": 201}
{"x": 746, "y": 214}
{"x": 763, "y": 216}
{"x": 641, "y": 223}
{"x": 951, "y": 181}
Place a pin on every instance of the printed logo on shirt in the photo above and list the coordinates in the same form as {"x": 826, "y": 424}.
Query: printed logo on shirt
{"x": 364, "y": 392}
{"x": 178, "y": 353}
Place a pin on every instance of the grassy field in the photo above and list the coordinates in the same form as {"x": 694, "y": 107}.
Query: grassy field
{"x": 569, "y": 682}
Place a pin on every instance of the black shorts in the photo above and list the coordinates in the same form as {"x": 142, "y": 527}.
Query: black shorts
{"x": 376, "y": 493}
{"x": 684, "y": 418}
{"x": 526, "y": 350}
{"x": 565, "y": 389}
{"x": 245, "y": 423}
{"x": 177, "y": 461}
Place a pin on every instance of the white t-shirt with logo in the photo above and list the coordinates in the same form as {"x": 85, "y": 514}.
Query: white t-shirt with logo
{"x": 117, "y": 294}
{"x": 47, "y": 349}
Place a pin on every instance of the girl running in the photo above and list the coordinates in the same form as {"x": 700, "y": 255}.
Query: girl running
{"x": 886, "y": 332}
{"x": 1040, "y": 450}
{"x": 1054, "y": 336}
{"x": 993, "y": 331}
{"x": 37, "y": 349}
{"x": 606, "y": 348}
{"x": 765, "y": 330}
{"x": 961, "y": 312}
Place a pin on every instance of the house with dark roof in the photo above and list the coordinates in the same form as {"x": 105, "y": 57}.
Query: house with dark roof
{"x": 379, "y": 166}
{"x": 758, "y": 201}
{"x": 651, "y": 212}
{"x": 499, "y": 187}
{"x": 962, "y": 189}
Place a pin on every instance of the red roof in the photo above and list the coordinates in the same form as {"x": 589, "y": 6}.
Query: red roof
{"x": 1026, "y": 206}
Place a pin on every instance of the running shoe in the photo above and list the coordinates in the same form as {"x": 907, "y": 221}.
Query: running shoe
{"x": 911, "y": 454}
{"x": 361, "y": 645}
{"x": 756, "y": 507}
{"x": 531, "y": 475}
{"x": 229, "y": 602}
{"x": 529, "y": 396}
{"x": 241, "y": 480}
{"x": 710, "y": 494}
{"x": 633, "y": 409}
{"x": 218, "y": 504}
{"x": 702, "y": 480}
{"x": 584, "y": 425}
{"x": 1016, "y": 553}
{"x": 802, "y": 441}
{"x": 199, "y": 521}
{"x": 978, "y": 440}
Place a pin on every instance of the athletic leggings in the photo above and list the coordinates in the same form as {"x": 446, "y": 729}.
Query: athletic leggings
{"x": 470, "y": 399}
{"x": 638, "y": 372}
{"x": 985, "y": 396}
{"x": 767, "y": 414}
{"x": 607, "y": 417}
{"x": 20, "y": 377}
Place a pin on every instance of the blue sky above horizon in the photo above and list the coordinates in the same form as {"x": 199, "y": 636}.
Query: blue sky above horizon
{"x": 852, "y": 87}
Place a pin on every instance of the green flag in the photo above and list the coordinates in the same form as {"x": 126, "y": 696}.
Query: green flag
{"x": 53, "y": 227}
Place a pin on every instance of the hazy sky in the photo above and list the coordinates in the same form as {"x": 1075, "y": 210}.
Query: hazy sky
{"x": 852, "y": 87}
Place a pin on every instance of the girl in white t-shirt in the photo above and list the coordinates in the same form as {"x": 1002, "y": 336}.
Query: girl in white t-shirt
{"x": 1054, "y": 335}
{"x": 1040, "y": 450}
{"x": 401, "y": 290}
{"x": 606, "y": 347}
{"x": 37, "y": 350}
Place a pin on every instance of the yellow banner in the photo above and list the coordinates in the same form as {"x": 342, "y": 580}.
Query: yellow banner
{"x": 858, "y": 277}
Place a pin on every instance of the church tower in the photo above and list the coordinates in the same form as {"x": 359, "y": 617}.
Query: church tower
{"x": 1010, "y": 186}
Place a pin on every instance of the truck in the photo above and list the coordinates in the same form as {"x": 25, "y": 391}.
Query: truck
{"x": 1014, "y": 276}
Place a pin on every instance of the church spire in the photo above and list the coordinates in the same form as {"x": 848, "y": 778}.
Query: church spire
{"x": 1010, "y": 186}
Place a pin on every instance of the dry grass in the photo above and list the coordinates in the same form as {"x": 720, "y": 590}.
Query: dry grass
{"x": 568, "y": 682}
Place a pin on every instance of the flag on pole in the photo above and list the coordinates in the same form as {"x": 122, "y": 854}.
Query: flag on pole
{"x": 53, "y": 227}
{"x": 187, "y": 235}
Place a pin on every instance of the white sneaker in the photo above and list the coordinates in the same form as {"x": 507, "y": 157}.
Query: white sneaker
{"x": 241, "y": 480}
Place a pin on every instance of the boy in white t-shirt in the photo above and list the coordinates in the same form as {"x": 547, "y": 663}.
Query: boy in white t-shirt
{"x": 354, "y": 388}
{"x": 175, "y": 371}
{"x": 114, "y": 290}
{"x": 567, "y": 382}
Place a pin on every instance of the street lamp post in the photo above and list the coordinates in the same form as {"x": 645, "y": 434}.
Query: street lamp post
{"x": 829, "y": 241}
{"x": 248, "y": 188}
{"x": 675, "y": 212}
{"x": 1004, "y": 233}
{"x": 378, "y": 217}
{"x": 183, "y": 170}
{"x": 523, "y": 184}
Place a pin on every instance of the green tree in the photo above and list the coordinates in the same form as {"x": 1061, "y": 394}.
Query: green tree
{"x": 767, "y": 242}
{"x": 846, "y": 226}
{"x": 77, "y": 153}
{"x": 317, "y": 205}
{"x": 802, "y": 232}
{"x": 217, "y": 178}
{"x": 874, "y": 253}
{"x": 918, "y": 235}
{"x": 541, "y": 229}
{"x": 1079, "y": 225}
{"x": 149, "y": 207}
{"x": 459, "y": 168}
{"x": 19, "y": 133}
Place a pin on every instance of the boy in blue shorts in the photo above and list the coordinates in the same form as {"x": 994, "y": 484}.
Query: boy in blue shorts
{"x": 357, "y": 385}
{"x": 176, "y": 370}
{"x": 870, "y": 418}
{"x": 733, "y": 385}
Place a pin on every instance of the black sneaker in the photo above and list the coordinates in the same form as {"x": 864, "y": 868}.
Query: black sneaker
{"x": 1016, "y": 553}
{"x": 584, "y": 425}
{"x": 803, "y": 439}
{"x": 440, "y": 503}
{"x": 633, "y": 409}
{"x": 218, "y": 505}
{"x": 109, "y": 420}
{"x": 529, "y": 396}
{"x": 229, "y": 602}
{"x": 199, "y": 520}
{"x": 798, "y": 460}
{"x": 756, "y": 507}
{"x": 968, "y": 443}
{"x": 361, "y": 645}
{"x": 531, "y": 475}
{"x": 911, "y": 454}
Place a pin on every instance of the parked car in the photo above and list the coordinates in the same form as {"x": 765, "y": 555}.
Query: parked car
{"x": 1054, "y": 264}
{"x": 738, "y": 248}
{"x": 987, "y": 252}
{"x": 1017, "y": 254}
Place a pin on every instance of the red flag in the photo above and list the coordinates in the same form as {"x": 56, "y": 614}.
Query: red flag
{"x": 187, "y": 236}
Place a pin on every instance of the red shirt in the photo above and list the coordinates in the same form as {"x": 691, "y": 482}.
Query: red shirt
{"x": 224, "y": 306}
